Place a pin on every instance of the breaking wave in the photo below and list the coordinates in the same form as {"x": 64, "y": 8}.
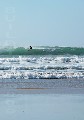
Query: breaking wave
{"x": 41, "y": 67}
{"x": 44, "y": 50}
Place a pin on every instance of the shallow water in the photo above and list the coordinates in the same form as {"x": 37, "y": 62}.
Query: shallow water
{"x": 42, "y": 107}
{"x": 41, "y": 86}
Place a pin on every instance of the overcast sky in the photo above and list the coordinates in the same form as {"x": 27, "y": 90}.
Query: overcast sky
{"x": 42, "y": 22}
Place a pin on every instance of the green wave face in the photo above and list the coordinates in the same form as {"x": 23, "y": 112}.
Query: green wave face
{"x": 42, "y": 51}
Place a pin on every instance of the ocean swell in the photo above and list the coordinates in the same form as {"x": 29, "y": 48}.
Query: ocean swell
{"x": 45, "y": 50}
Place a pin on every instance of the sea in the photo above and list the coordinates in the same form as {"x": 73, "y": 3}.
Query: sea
{"x": 41, "y": 62}
{"x": 63, "y": 70}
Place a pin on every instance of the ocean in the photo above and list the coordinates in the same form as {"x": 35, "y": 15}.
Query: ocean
{"x": 41, "y": 63}
{"x": 42, "y": 83}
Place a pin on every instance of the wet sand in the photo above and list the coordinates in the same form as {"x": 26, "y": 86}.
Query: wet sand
{"x": 42, "y": 99}
{"x": 42, "y": 86}
{"x": 41, "y": 107}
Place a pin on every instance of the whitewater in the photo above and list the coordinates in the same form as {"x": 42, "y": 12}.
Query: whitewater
{"x": 41, "y": 67}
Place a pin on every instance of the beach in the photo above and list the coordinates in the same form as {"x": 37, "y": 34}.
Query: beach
{"x": 42, "y": 86}
{"x": 38, "y": 99}
{"x": 41, "y": 60}
{"x": 40, "y": 106}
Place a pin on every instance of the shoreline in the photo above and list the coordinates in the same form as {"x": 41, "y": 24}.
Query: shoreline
{"x": 42, "y": 86}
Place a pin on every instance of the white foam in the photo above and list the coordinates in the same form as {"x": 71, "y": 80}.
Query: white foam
{"x": 42, "y": 67}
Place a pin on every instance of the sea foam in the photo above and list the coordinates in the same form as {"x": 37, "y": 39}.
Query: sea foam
{"x": 40, "y": 67}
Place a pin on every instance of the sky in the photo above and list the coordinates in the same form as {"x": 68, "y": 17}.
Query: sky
{"x": 42, "y": 23}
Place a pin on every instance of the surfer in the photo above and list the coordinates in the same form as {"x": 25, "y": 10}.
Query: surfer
{"x": 30, "y": 47}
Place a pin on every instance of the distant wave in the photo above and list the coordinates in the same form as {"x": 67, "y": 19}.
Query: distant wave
{"x": 44, "y": 50}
